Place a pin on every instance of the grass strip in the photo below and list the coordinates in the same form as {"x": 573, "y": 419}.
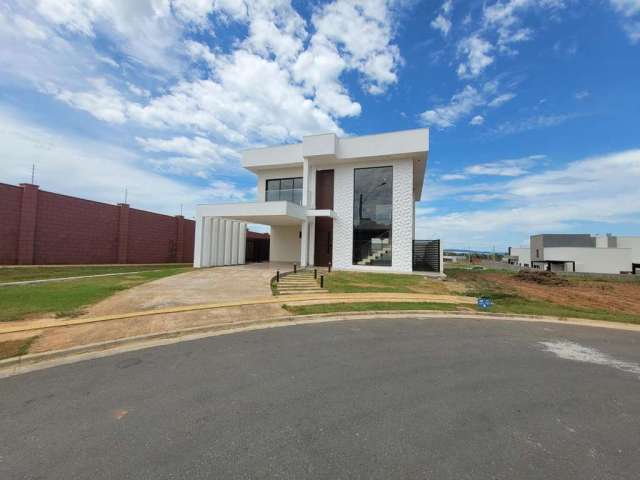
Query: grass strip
{"x": 19, "y": 274}
{"x": 367, "y": 306}
{"x": 69, "y": 297}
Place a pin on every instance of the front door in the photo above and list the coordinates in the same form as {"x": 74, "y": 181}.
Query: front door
{"x": 323, "y": 245}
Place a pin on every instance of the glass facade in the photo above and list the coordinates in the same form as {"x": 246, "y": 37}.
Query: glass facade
{"x": 372, "y": 215}
{"x": 289, "y": 189}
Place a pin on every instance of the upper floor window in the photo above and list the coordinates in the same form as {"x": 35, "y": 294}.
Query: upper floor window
{"x": 289, "y": 189}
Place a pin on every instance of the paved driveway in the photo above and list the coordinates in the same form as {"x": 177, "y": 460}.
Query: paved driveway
{"x": 376, "y": 399}
{"x": 199, "y": 286}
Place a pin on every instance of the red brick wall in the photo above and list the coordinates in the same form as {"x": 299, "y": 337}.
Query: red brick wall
{"x": 73, "y": 230}
{"x": 49, "y": 228}
{"x": 10, "y": 199}
{"x": 152, "y": 237}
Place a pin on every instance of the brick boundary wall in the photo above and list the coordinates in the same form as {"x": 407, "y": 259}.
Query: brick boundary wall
{"x": 44, "y": 228}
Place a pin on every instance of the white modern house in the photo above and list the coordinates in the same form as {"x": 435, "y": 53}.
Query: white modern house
{"x": 344, "y": 202}
{"x": 580, "y": 253}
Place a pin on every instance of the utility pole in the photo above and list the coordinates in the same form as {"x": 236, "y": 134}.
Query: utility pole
{"x": 33, "y": 173}
{"x": 126, "y": 194}
{"x": 180, "y": 209}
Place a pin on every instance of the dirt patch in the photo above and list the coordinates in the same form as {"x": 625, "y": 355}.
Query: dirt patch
{"x": 70, "y": 336}
{"x": 623, "y": 297}
{"x": 15, "y": 347}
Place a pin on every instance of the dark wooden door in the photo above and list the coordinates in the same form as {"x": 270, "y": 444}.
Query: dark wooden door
{"x": 323, "y": 246}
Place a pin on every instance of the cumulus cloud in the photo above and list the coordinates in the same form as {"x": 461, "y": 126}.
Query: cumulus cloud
{"x": 282, "y": 79}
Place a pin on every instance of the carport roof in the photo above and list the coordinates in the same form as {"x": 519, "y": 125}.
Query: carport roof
{"x": 264, "y": 213}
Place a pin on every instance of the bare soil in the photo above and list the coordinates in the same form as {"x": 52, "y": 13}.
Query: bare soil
{"x": 614, "y": 296}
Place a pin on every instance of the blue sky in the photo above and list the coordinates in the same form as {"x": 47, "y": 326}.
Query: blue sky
{"x": 533, "y": 105}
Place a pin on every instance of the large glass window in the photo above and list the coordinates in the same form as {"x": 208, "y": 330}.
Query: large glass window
{"x": 289, "y": 189}
{"x": 372, "y": 222}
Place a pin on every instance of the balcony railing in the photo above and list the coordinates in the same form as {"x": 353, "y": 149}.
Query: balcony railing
{"x": 293, "y": 195}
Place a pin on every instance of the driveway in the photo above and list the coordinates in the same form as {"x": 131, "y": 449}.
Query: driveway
{"x": 205, "y": 285}
{"x": 375, "y": 399}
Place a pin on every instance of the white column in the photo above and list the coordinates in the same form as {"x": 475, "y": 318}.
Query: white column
{"x": 197, "y": 243}
{"x": 304, "y": 244}
{"x": 234, "y": 242}
{"x": 221, "y": 238}
{"x": 215, "y": 226}
{"x": 305, "y": 182}
{"x": 228, "y": 240}
{"x": 312, "y": 241}
{"x": 242, "y": 259}
{"x": 206, "y": 242}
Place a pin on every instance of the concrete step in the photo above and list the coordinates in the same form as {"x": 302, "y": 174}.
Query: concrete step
{"x": 302, "y": 287}
{"x": 289, "y": 287}
{"x": 296, "y": 292}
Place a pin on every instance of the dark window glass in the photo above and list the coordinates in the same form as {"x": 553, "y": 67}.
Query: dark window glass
{"x": 372, "y": 222}
{"x": 289, "y": 189}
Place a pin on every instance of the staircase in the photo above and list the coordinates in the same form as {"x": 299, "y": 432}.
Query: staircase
{"x": 375, "y": 256}
{"x": 298, "y": 283}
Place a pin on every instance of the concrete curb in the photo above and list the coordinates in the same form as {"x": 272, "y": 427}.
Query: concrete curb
{"x": 38, "y": 361}
{"x": 46, "y": 324}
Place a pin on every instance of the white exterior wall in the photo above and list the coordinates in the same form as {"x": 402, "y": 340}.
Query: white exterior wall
{"x": 219, "y": 242}
{"x": 265, "y": 175}
{"x": 523, "y": 254}
{"x": 284, "y": 245}
{"x": 402, "y": 216}
{"x": 633, "y": 243}
{"x": 592, "y": 260}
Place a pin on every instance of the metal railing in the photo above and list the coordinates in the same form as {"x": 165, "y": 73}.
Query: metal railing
{"x": 426, "y": 255}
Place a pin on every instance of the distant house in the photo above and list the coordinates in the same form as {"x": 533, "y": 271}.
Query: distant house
{"x": 580, "y": 253}
{"x": 345, "y": 202}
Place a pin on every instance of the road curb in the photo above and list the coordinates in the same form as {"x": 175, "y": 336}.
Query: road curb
{"x": 25, "y": 363}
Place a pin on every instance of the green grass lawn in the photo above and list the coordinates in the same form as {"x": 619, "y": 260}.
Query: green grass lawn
{"x": 67, "y": 298}
{"x": 355, "y": 282}
{"x": 18, "y": 274}
{"x": 367, "y": 306}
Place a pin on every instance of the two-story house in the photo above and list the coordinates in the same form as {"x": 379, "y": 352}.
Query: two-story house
{"x": 348, "y": 202}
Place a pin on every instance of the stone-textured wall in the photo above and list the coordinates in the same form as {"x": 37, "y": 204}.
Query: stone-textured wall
{"x": 402, "y": 230}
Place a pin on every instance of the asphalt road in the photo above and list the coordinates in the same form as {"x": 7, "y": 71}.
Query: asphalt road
{"x": 441, "y": 399}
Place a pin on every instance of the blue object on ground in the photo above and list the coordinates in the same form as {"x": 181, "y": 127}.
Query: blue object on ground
{"x": 484, "y": 302}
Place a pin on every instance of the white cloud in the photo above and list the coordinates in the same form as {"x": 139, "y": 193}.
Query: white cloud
{"x": 95, "y": 170}
{"x": 629, "y": 10}
{"x": 596, "y": 189}
{"x": 478, "y": 53}
{"x": 501, "y": 99}
{"x": 103, "y": 101}
{"x": 581, "y": 95}
{"x": 505, "y": 168}
{"x": 196, "y": 156}
{"x": 501, "y": 28}
{"x": 452, "y": 176}
{"x": 463, "y": 103}
{"x": 362, "y": 32}
{"x": 443, "y": 21}
{"x": 534, "y": 122}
